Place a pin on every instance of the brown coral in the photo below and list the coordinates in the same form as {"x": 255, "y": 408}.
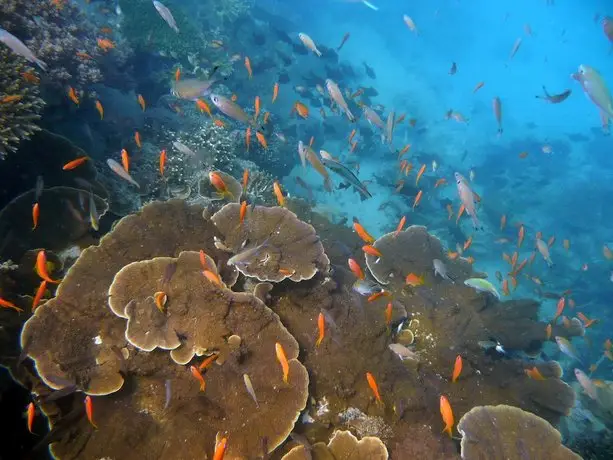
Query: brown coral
{"x": 505, "y": 432}
{"x": 411, "y": 251}
{"x": 272, "y": 244}
{"x": 343, "y": 445}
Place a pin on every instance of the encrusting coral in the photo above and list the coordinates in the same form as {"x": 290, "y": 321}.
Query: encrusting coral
{"x": 505, "y": 432}
{"x": 75, "y": 339}
{"x": 271, "y": 244}
{"x": 343, "y": 445}
{"x": 20, "y": 105}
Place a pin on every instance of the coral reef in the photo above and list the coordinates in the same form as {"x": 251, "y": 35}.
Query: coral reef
{"x": 279, "y": 245}
{"x": 96, "y": 355}
{"x": 20, "y": 105}
{"x": 342, "y": 445}
{"x": 64, "y": 38}
{"x": 503, "y": 432}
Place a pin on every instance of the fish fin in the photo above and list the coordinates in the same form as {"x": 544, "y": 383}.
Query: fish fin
{"x": 545, "y": 92}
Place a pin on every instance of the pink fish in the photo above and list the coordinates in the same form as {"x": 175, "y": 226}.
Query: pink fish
{"x": 497, "y": 106}
{"x": 230, "y": 108}
{"x": 467, "y": 197}
{"x": 337, "y": 96}
{"x": 595, "y": 88}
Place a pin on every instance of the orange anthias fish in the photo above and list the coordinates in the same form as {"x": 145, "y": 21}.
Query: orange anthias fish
{"x": 137, "y": 139}
{"x": 377, "y": 295}
{"x": 141, "y": 102}
{"x": 400, "y": 225}
{"x": 35, "y": 214}
{"x": 208, "y": 361}
{"x": 266, "y": 117}
{"x": 105, "y": 44}
{"x": 72, "y": 95}
{"x": 503, "y": 222}
{"x": 178, "y": 74}
{"x": 219, "y": 123}
{"x": 278, "y": 193}
{"x": 607, "y": 253}
{"x": 417, "y": 198}
{"x": 74, "y": 163}
{"x": 125, "y": 160}
{"x": 368, "y": 249}
{"x": 321, "y": 326}
{"x": 388, "y": 314}
{"x": 31, "y": 413}
{"x": 419, "y": 174}
{"x": 198, "y": 375}
{"x": 447, "y": 415}
{"x": 457, "y": 369}
{"x": 220, "y": 449}
{"x": 30, "y": 78}
{"x": 356, "y": 269}
{"x": 275, "y": 92}
{"x": 100, "y": 109}
{"x": 11, "y": 98}
{"x": 89, "y": 410}
{"x": 213, "y": 278}
{"x": 586, "y": 321}
{"x": 41, "y": 267}
{"x": 468, "y": 243}
{"x": 372, "y": 383}
{"x": 40, "y": 292}
{"x": 414, "y": 281}
{"x": 256, "y": 106}
{"x": 6, "y": 304}
{"x": 362, "y": 233}
{"x": 478, "y": 86}
{"x": 162, "y": 162}
{"x": 560, "y": 308}
{"x": 548, "y": 330}
{"x": 204, "y": 107}
{"x": 82, "y": 55}
{"x": 441, "y": 181}
{"x": 301, "y": 109}
{"x": 282, "y": 358}
{"x": 248, "y": 67}
{"x": 520, "y": 236}
{"x": 220, "y": 185}
{"x": 534, "y": 373}
{"x": 243, "y": 210}
{"x": 261, "y": 139}
{"x": 245, "y": 179}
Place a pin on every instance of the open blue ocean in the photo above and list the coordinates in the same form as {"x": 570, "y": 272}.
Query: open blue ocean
{"x": 337, "y": 229}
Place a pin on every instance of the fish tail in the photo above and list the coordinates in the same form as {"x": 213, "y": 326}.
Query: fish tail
{"x": 41, "y": 64}
{"x": 318, "y": 53}
{"x": 447, "y": 430}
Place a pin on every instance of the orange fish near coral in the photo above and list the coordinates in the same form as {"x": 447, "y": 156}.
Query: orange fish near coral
{"x": 372, "y": 383}
{"x": 204, "y": 107}
{"x": 248, "y": 67}
{"x": 41, "y": 267}
{"x": 6, "y": 304}
{"x": 212, "y": 277}
{"x": 220, "y": 186}
{"x": 548, "y": 331}
{"x": 245, "y": 179}
{"x": 256, "y": 106}
{"x": 125, "y": 160}
{"x": 100, "y": 109}
{"x": 356, "y": 269}
{"x": 89, "y": 410}
{"x": 137, "y": 139}
{"x": 208, "y": 361}
{"x": 220, "y": 449}
{"x": 417, "y": 198}
{"x": 362, "y": 233}
{"x": 198, "y": 376}
{"x": 321, "y": 326}
{"x": 301, "y": 109}
{"x": 74, "y": 163}
{"x": 275, "y": 92}
{"x": 72, "y": 95}
{"x": 83, "y": 56}
{"x": 40, "y": 292}
{"x": 457, "y": 369}
{"x": 162, "y": 162}
{"x": 178, "y": 74}
{"x": 520, "y": 235}
{"x": 243, "y": 210}
{"x": 534, "y": 373}
{"x": 421, "y": 172}
{"x": 441, "y": 181}
{"x": 31, "y": 413}
{"x": 278, "y": 193}
{"x": 414, "y": 281}
{"x": 388, "y": 314}
{"x": 30, "y": 78}
{"x": 35, "y": 214}
{"x": 400, "y": 225}
{"x": 282, "y": 358}
{"x": 447, "y": 414}
{"x": 105, "y": 44}
{"x": 11, "y": 98}
{"x": 261, "y": 139}
{"x": 141, "y": 102}
{"x": 368, "y": 249}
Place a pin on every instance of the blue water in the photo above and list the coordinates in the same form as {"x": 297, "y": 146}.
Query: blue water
{"x": 550, "y": 170}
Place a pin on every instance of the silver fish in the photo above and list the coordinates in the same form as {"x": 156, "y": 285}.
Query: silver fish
{"x": 366, "y": 287}
{"x": 93, "y": 213}
{"x": 441, "y": 269}
{"x": 403, "y": 352}
{"x": 18, "y": 47}
{"x": 230, "y": 108}
{"x": 346, "y": 174}
{"x": 337, "y": 96}
{"x": 250, "y": 389}
{"x": 118, "y": 169}
{"x": 183, "y": 148}
{"x": 191, "y": 88}
{"x": 389, "y": 127}
{"x": 373, "y": 117}
{"x": 166, "y": 15}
